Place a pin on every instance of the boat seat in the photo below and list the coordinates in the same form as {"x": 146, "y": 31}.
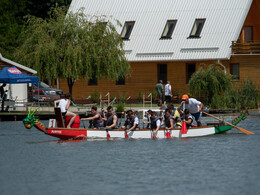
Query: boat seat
{"x": 59, "y": 117}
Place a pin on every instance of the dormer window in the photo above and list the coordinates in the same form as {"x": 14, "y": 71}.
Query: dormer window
{"x": 197, "y": 28}
{"x": 168, "y": 29}
{"x": 127, "y": 29}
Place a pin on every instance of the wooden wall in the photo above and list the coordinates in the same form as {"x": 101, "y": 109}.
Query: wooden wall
{"x": 253, "y": 19}
{"x": 249, "y": 67}
{"x": 143, "y": 78}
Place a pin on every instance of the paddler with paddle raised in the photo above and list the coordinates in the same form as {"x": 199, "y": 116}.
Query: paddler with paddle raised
{"x": 194, "y": 106}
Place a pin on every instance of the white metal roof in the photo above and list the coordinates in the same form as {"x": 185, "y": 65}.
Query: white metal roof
{"x": 17, "y": 65}
{"x": 224, "y": 21}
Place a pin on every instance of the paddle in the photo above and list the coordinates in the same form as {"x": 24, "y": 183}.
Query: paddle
{"x": 239, "y": 128}
{"x": 168, "y": 135}
{"x": 184, "y": 126}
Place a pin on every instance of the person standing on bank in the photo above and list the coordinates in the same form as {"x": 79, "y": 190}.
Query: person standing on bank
{"x": 168, "y": 93}
{"x": 194, "y": 106}
{"x": 64, "y": 104}
{"x": 159, "y": 90}
{"x": 3, "y": 96}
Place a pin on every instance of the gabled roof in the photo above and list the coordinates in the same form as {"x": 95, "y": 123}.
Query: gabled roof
{"x": 224, "y": 21}
{"x": 17, "y": 65}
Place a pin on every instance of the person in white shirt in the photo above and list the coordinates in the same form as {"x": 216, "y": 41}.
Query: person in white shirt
{"x": 132, "y": 121}
{"x": 194, "y": 106}
{"x": 64, "y": 104}
{"x": 168, "y": 93}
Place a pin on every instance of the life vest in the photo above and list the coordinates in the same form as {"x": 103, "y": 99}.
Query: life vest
{"x": 167, "y": 121}
{"x": 187, "y": 118}
{"x": 110, "y": 120}
{"x": 131, "y": 122}
{"x": 98, "y": 122}
{"x": 153, "y": 122}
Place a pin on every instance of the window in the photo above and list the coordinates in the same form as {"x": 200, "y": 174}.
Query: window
{"x": 162, "y": 72}
{"x": 234, "y": 71}
{"x": 92, "y": 82}
{"x": 248, "y": 33}
{"x": 197, "y": 28}
{"x": 168, "y": 29}
{"x": 127, "y": 29}
{"x": 120, "y": 81}
{"x": 190, "y": 69}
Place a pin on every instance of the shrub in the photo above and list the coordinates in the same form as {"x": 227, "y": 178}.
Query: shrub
{"x": 140, "y": 96}
{"x": 209, "y": 82}
{"x": 120, "y": 107}
{"x": 95, "y": 96}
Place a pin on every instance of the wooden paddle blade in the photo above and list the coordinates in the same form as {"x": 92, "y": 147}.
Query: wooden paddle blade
{"x": 245, "y": 131}
{"x": 184, "y": 128}
{"x": 168, "y": 135}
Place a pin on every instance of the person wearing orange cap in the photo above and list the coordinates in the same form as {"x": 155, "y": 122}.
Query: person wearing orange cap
{"x": 194, "y": 106}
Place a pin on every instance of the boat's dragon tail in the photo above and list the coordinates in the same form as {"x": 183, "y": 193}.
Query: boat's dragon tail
{"x": 242, "y": 116}
{"x": 32, "y": 120}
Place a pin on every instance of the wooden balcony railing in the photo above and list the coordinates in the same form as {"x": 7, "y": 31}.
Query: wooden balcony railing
{"x": 252, "y": 47}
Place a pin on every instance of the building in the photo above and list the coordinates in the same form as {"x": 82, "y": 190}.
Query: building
{"x": 171, "y": 39}
{"x": 17, "y": 92}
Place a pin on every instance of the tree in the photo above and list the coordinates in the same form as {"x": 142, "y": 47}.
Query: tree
{"x": 209, "y": 82}
{"x": 12, "y": 19}
{"x": 73, "y": 46}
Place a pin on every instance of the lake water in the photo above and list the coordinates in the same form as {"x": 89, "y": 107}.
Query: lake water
{"x": 34, "y": 163}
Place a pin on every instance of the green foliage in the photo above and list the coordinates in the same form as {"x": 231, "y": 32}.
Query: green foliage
{"x": 120, "y": 107}
{"x": 122, "y": 98}
{"x": 140, "y": 96}
{"x": 240, "y": 96}
{"x": 95, "y": 96}
{"x": 12, "y": 20}
{"x": 73, "y": 46}
{"x": 154, "y": 95}
{"x": 209, "y": 82}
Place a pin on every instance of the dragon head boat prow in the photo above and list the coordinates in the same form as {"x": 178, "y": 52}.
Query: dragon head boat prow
{"x": 32, "y": 120}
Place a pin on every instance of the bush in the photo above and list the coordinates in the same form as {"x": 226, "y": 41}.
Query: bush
{"x": 120, "y": 107}
{"x": 241, "y": 96}
{"x": 140, "y": 96}
{"x": 209, "y": 82}
{"x": 95, "y": 96}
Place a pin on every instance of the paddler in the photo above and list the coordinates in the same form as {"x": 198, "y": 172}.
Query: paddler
{"x": 132, "y": 122}
{"x": 188, "y": 118}
{"x": 96, "y": 119}
{"x": 175, "y": 116}
{"x": 168, "y": 120}
{"x": 194, "y": 106}
{"x": 111, "y": 119}
{"x": 156, "y": 122}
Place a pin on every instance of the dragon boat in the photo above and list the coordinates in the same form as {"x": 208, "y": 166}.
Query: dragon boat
{"x": 75, "y": 132}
